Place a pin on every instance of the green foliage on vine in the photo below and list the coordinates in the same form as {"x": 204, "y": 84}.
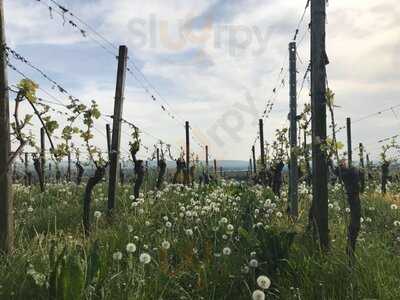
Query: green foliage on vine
{"x": 134, "y": 144}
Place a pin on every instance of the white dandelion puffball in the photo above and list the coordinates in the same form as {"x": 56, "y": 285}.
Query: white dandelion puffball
{"x": 117, "y": 256}
{"x": 393, "y": 206}
{"x": 97, "y": 214}
{"x": 145, "y": 258}
{"x": 396, "y": 223}
{"x": 131, "y": 197}
{"x": 131, "y": 248}
{"x": 227, "y": 251}
{"x": 168, "y": 224}
{"x": 258, "y": 295}
{"x": 279, "y": 214}
{"x": 263, "y": 282}
{"x": 253, "y": 263}
{"x": 166, "y": 245}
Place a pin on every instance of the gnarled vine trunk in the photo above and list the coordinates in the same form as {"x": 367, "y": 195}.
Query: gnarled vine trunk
{"x": 38, "y": 168}
{"x": 87, "y": 199}
{"x": 80, "y": 173}
{"x": 140, "y": 173}
{"x": 163, "y": 167}
{"x": 180, "y": 167}
{"x": 277, "y": 178}
{"x": 351, "y": 180}
{"x": 385, "y": 176}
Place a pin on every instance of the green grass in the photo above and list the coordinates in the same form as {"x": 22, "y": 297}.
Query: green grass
{"x": 53, "y": 260}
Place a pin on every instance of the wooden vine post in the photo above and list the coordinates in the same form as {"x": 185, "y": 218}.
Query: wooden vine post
{"x": 362, "y": 168}
{"x": 293, "y": 168}
{"x": 6, "y": 197}
{"x": 319, "y": 60}
{"x": 26, "y": 168}
{"x": 349, "y": 143}
{"x": 207, "y": 160}
{"x": 251, "y": 166}
{"x": 215, "y": 167}
{"x": 108, "y": 134}
{"x": 116, "y": 130}
{"x": 42, "y": 158}
{"x": 69, "y": 167}
{"x": 158, "y": 157}
{"x": 253, "y": 151}
{"x": 262, "y": 153}
{"x": 187, "y": 175}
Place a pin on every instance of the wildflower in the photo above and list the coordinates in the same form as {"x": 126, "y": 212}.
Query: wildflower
{"x": 227, "y": 251}
{"x": 117, "y": 255}
{"x": 30, "y": 209}
{"x": 258, "y": 295}
{"x": 166, "y": 245}
{"x": 253, "y": 263}
{"x": 130, "y": 228}
{"x": 393, "y": 206}
{"x": 263, "y": 282}
{"x": 279, "y": 214}
{"x": 145, "y": 258}
{"x": 168, "y": 224}
{"x": 189, "y": 232}
{"x": 131, "y": 248}
{"x": 131, "y": 197}
{"x": 245, "y": 269}
{"x": 223, "y": 220}
{"x": 396, "y": 223}
{"x": 330, "y": 205}
{"x": 97, "y": 214}
{"x": 347, "y": 209}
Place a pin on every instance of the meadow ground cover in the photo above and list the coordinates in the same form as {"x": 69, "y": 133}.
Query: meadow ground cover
{"x": 228, "y": 240}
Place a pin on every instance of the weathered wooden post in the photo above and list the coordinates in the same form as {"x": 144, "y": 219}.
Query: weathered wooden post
{"x": 116, "y": 130}
{"x": 43, "y": 158}
{"x": 158, "y": 157}
{"x": 262, "y": 152}
{"x": 6, "y": 198}
{"x": 69, "y": 167}
{"x": 319, "y": 60}
{"x": 108, "y": 135}
{"x": 349, "y": 143}
{"x": 187, "y": 128}
{"x": 367, "y": 175}
{"x": 293, "y": 168}
{"x": 251, "y": 166}
{"x": 207, "y": 160}
{"x": 26, "y": 168}
{"x": 253, "y": 150}
{"x": 362, "y": 168}
{"x": 215, "y": 167}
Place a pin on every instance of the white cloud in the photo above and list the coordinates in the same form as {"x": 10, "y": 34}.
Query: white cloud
{"x": 363, "y": 44}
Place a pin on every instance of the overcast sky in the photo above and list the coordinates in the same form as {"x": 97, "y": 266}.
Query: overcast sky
{"x": 214, "y": 62}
